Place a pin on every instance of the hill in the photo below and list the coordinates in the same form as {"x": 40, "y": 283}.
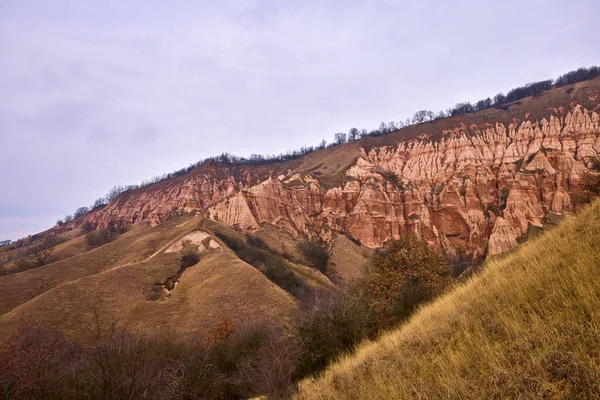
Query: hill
{"x": 525, "y": 327}
{"x": 127, "y": 281}
{"x": 478, "y": 182}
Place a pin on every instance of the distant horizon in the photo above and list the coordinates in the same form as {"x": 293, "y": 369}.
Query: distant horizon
{"x": 97, "y": 95}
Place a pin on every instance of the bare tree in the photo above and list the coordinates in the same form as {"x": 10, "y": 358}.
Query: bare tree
{"x": 420, "y": 116}
{"x": 352, "y": 134}
{"x": 80, "y": 211}
{"x": 40, "y": 254}
{"x": 339, "y": 138}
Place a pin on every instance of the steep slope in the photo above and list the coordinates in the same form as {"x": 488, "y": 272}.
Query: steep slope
{"x": 476, "y": 182}
{"x": 526, "y": 327}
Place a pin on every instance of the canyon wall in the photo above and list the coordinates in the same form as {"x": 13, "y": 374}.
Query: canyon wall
{"x": 477, "y": 188}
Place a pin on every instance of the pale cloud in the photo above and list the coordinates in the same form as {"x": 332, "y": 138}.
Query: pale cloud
{"x": 94, "y": 94}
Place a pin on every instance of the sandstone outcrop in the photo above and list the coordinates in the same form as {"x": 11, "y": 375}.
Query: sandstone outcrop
{"x": 477, "y": 188}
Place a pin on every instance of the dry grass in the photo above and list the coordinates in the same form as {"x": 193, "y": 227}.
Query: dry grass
{"x": 348, "y": 258}
{"x": 115, "y": 281}
{"x": 132, "y": 247}
{"x": 528, "y": 326}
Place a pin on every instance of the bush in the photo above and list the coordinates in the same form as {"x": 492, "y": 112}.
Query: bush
{"x": 335, "y": 324}
{"x": 315, "y": 254}
{"x": 273, "y": 266}
{"x": 38, "y": 255}
{"x": 408, "y": 272}
{"x": 190, "y": 257}
{"x": 248, "y": 361}
{"x": 87, "y": 227}
{"x": 99, "y": 238}
{"x": 255, "y": 241}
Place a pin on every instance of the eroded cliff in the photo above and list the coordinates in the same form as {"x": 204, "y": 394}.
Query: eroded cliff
{"x": 477, "y": 188}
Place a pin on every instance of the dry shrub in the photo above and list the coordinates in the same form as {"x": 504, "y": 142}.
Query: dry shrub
{"x": 270, "y": 263}
{"x": 407, "y": 273}
{"x": 334, "y": 324}
{"x": 113, "y": 364}
{"x": 315, "y": 254}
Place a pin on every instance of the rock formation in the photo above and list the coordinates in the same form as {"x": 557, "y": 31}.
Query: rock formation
{"x": 476, "y": 187}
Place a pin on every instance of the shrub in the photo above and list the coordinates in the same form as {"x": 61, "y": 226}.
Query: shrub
{"x": 273, "y": 266}
{"x": 99, "y": 238}
{"x": 190, "y": 257}
{"x": 408, "y": 272}
{"x": 87, "y": 227}
{"x": 334, "y": 324}
{"x": 248, "y": 361}
{"x": 255, "y": 241}
{"x": 315, "y": 254}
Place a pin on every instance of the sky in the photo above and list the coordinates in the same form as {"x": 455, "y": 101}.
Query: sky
{"x": 99, "y": 93}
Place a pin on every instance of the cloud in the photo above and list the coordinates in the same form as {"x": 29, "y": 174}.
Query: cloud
{"x": 145, "y": 135}
{"x": 169, "y": 83}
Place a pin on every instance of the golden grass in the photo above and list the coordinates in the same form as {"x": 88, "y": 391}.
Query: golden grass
{"x": 132, "y": 247}
{"x": 116, "y": 287}
{"x": 528, "y": 326}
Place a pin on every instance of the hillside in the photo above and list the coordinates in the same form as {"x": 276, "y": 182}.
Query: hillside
{"x": 478, "y": 182}
{"x": 125, "y": 281}
{"x": 474, "y": 184}
{"x": 527, "y": 326}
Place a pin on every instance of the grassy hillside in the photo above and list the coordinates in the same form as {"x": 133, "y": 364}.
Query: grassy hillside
{"x": 528, "y": 326}
{"x": 121, "y": 282}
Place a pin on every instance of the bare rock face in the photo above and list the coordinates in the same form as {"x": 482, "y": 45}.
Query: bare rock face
{"x": 195, "y": 193}
{"x": 477, "y": 188}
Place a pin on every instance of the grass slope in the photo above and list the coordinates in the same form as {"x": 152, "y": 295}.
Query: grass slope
{"x": 115, "y": 282}
{"x": 132, "y": 247}
{"x": 528, "y": 326}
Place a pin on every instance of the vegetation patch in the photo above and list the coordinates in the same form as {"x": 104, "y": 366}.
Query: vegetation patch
{"x": 269, "y": 262}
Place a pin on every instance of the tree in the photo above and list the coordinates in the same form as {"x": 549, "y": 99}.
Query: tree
{"x": 441, "y": 114}
{"x": 420, "y": 116}
{"x": 39, "y": 254}
{"x": 383, "y": 128}
{"x": 404, "y": 275}
{"x": 499, "y": 99}
{"x": 392, "y": 126}
{"x": 101, "y": 202}
{"x": 80, "y": 211}
{"x": 68, "y": 218}
{"x": 352, "y": 134}
{"x": 339, "y": 138}
{"x": 114, "y": 192}
{"x": 483, "y": 104}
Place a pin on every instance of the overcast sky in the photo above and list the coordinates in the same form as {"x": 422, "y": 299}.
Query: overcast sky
{"x": 98, "y": 93}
